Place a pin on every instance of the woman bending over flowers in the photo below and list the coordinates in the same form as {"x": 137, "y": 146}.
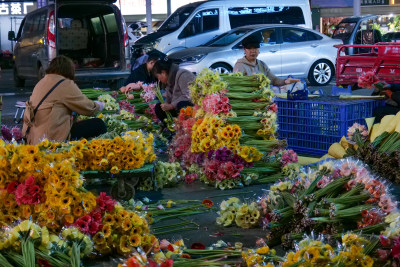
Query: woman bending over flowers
{"x": 176, "y": 82}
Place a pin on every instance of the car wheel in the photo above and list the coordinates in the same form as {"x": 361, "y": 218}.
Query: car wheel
{"x": 221, "y": 68}
{"x": 41, "y": 73}
{"x": 321, "y": 73}
{"x": 19, "y": 82}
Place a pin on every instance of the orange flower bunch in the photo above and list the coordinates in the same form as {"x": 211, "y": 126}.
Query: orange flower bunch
{"x": 123, "y": 231}
{"x": 211, "y": 133}
{"x": 130, "y": 151}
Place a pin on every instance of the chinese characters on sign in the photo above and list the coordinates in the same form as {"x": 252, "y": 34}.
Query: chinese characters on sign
{"x": 16, "y": 8}
{"x": 374, "y": 2}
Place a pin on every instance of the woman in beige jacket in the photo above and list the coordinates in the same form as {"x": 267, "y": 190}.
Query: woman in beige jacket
{"x": 53, "y": 119}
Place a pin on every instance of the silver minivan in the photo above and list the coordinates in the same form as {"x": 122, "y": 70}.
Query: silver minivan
{"x": 197, "y": 23}
{"x": 92, "y": 33}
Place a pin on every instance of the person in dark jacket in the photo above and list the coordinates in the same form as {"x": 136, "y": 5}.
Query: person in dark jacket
{"x": 392, "y": 92}
{"x": 176, "y": 82}
{"x": 143, "y": 72}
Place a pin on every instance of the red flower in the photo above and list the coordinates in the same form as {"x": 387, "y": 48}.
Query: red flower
{"x": 12, "y": 187}
{"x": 167, "y": 263}
{"x": 207, "y": 203}
{"x": 197, "y": 245}
{"x": 132, "y": 262}
{"x": 273, "y": 107}
{"x": 96, "y": 216}
{"x": 396, "y": 250}
{"x": 94, "y": 227}
{"x": 86, "y": 218}
{"x": 82, "y": 225}
{"x": 28, "y": 192}
{"x": 384, "y": 241}
{"x": 43, "y": 263}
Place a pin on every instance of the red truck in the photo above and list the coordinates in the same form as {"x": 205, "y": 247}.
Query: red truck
{"x": 381, "y": 58}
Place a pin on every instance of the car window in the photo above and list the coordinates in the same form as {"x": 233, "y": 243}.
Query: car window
{"x": 96, "y": 23}
{"x": 313, "y": 36}
{"x": 21, "y": 29}
{"x": 39, "y": 22}
{"x": 293, "y": 35}
{"x": 111, "y": 22}
{"x": 268, "y": 37}
{"x": 177, "y": 19}
{"x": 240, "y": 16}
{"x": 35, "y": 24}
{"x": 343, "y": 30}
{"x": 227, "y": 38}
{"x": 204, "y": 21}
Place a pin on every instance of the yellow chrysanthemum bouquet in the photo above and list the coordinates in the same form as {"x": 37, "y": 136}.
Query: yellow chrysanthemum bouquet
{"x": 131, "y": 151}
{"x": 315, "y": 252}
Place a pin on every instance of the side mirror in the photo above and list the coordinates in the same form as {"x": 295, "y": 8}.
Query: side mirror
{"x": 11, "y": 36}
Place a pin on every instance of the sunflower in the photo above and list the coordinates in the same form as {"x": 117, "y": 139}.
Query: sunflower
{"x": 109, "y": 219}
{"x": 26, "y": 211}
{"x": 135, "y": 240}
{"x": 137, "y": 221}
{"x": 69, "y": 219}
{"x": 124, "y": 245}
{"x": 77, "y": 211}
{"x": 65, "y": 202}
{"x": 136, "y": 230}
{"x": 114, "y": 170}
{"x": 50, "y": 215}
{"x": 126, "y": 224}
{"x": 8, "y": 220}
{"x": 99, "y": 238}
{"x": 312, "y": 254}
{"x": 107, "y": 230}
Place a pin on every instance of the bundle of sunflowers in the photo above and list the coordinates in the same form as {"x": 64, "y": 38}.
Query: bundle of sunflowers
{"x": 62, "y": 219}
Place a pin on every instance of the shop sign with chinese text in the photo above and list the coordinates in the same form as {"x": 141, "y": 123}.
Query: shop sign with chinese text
{"x": 374, "y": 2}
{"x": 14, "y": 8}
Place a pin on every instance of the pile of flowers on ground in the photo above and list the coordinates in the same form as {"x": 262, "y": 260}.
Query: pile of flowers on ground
{"x": 315, "y": 252}
{"x": 214, "y": 128}
{"x": 44, "y": 187}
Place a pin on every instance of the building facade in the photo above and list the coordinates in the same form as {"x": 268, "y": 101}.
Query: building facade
{"x": 327, "y": 13}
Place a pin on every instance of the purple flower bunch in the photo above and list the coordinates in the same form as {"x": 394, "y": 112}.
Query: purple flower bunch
{"x": 224, "y": 154}
{"x": 8, "y": 134}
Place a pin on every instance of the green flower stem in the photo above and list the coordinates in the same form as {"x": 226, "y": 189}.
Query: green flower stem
{"x": 211, "y": 251}
{"x": 4, "y": 262}
{"x": 231, "y": 194}
{"x": 176, "y": 210}
{"x": 175, "y": 230}
{"x": 171, "y": 225}
{"x": 185, "y": 220}
{"x": 178, "y": 215}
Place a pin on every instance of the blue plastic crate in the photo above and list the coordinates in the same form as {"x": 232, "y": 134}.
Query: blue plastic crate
{"x": 311, "y": 126}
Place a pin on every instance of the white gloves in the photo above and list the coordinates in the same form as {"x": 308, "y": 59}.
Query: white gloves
{"x": 101, "y": 104}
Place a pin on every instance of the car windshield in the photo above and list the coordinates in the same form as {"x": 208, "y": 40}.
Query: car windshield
{"x": 343, "y": 30}
{"x": 177, "y": 18}
{"x": 227, "y": 38}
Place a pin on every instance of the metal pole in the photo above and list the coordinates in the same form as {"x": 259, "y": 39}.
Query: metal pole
{"x": 168, "y": 8}
{"x": 356, "y": 7}
{"x": 148, "y": 17}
